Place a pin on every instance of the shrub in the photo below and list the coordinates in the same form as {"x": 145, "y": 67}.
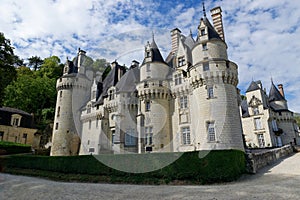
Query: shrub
{"x": 13, "y": 148}
{"x": 216, "y": 166}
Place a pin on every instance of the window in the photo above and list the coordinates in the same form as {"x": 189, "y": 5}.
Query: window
{"x": 181, "y": 61}
{"x": 97, "y": 123}
{"x": 202, "y": 32}
{"x": 1, "y": 135}
{"x": 206, "y": 66}
{"x": 25, "y": 137}
{"x": 257, "y": 123}
{"x": 261, "y": 140}
{"x": 111, "y": 95}
{"x": 130, "y": 139}
{"x": 274, "y": 125}
{"x": 148, "y": 54}
{"x": 88, "y": 110}
{"x": 211, "y": 131}
{"x": 210, "y": 92}
{"x": 90, "y": 124}
{"x": 204, "y": 46}
{"x": 146, "y": 84}
{"x": 160, "y": 83}
{"x": 148, "y": 69}
{"x": 16, "y": 120}
{"x": 148, "y": 135}
{"x": 91, "y": 149}
{"x": 113, "y": 137}
{"x": 147, "y": 106}
{"x": 177, "y": 79}
{"x": 183, "y": 102}
{"x": 186, "y": 137}
{"x": 255, "y": 111}
{"x": 60, "y": 94}
{"x": 56, "y": 126}
{"x": 58, "y": 111}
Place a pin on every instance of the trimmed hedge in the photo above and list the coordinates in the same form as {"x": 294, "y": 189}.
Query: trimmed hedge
{"x": 13, "y": 148}
{"x": 216, "y": 166}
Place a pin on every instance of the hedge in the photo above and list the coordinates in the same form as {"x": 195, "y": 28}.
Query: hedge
{"x": 13, "y": 148}
{"x": 216, "y": 166}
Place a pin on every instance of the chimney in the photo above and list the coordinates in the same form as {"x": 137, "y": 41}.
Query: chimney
{"x": 175, "y": 36}
{"x": 134, "y": 64}
{"x": 216, "y": 14}
{"x": 280, "y": 87}
{"x": 80, "y": 57}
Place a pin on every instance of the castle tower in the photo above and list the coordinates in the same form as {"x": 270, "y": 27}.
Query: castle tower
{"x": 214, "y": 93}
{"x": 153, "y": 119}
{"x": 73, "y": 90}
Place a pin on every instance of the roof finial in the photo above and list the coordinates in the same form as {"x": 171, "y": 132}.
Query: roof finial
{"x": 204, "y": 12}
{"x": 152, "y": 35}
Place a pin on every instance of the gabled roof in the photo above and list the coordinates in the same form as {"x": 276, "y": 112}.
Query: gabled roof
{"x": 212, "y": 33}
{"x": 6, "y": 115}
{"x": 253, "y": 86}
{"x": 274, "y": 94}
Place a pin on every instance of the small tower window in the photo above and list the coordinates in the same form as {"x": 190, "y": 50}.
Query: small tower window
{"x": 206, "y": 66}
{"x": 204, "y": 46}
{"x": 90, "y": 124}
{"x": 183, "y": 102}
{"x": 186, "y": 137}
{"x": 210, "y": 92}
{"x": 60, "y": 94}
{"x": 58, "y": 111}
{"x": 211, "y": 131}
{"x": 148, "y": 54}
{"x": 255, "y": 111}
{"x": 56, "y": 126}
{"x": 147, "y": 106}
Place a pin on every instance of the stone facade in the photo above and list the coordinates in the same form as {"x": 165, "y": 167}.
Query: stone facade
{"x": 186, "y": 102}
{"x": 266, "y": 119}
{"x": 18, "y": 126}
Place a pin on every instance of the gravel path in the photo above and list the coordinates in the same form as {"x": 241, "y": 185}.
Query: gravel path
{"x": 279, "y": 181}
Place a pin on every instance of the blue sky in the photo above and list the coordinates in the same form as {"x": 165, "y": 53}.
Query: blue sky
{"x": 262, "y": 36}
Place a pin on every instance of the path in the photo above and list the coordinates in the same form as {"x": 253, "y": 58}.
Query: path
{"x": 279, "y": 181}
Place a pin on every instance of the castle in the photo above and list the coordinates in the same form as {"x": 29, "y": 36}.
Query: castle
{"x": 186, "y": 102}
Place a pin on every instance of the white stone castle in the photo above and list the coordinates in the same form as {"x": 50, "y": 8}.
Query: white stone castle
{"x": 186, "y": 102}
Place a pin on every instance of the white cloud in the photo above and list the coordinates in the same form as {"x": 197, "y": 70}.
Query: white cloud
{"x": 262, "y": 36}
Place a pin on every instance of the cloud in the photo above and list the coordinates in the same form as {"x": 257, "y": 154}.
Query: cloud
{"x": 262, "y": 37}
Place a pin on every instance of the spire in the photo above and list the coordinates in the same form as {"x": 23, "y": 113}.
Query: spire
{"x": 191, "y": 34}
{"x": 152, "y": 36}
{"x": 204, "y": 12}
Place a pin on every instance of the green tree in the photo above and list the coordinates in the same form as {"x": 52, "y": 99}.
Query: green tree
{"x": 51, "y": 68}
{"x": 7, "y": 62}
{"x": 100, "y": 65}
{"x": 35, "y": 62}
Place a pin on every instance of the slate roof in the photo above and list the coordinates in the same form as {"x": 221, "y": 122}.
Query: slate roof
{"x": 274, "y": 94}
{"x": 189, "y": 41}
{"x": 7, "y": 112}
{"x": 128, "y": 81}
{"x": 110, "y": 80}
{"x": 244, "y": 107}
{"x": 212, "y": 33}
{"x": 253, "y": 86}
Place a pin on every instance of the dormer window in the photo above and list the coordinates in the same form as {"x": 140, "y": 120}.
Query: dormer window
{"x": 202, "y": 31}
{"x": 181, "y": 61}
{"x": 148, "y": 54}
{"x": 16, "y": 120}
{"x": 111, "y": 95}
{"x": 255, "y": 111}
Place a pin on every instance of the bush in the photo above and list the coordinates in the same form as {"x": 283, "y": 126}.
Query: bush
{"x": 13, "y": 148}
{"x": 216, "y": 166}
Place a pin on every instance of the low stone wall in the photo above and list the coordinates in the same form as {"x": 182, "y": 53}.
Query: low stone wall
{"x": 257, "y": 160}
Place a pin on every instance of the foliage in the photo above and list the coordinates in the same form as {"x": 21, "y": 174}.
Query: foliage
{"x": 217, "y": 166}
{"x": 297, "y": 118}
{"x": 35, "y": 62}
{"x": 13, "y": 148}
{"x": 7, "y": 62}
{"x": 106, "y": 72}
{"x": 100, "y": 65}
{"x": 51, "y": 68}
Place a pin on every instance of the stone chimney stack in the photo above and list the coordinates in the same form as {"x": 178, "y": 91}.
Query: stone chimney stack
{"x": 175, "y": 36}
{"x": 81, "y": 55}
{"x": 216, "y": 14}
{"x": 280, "y": 87}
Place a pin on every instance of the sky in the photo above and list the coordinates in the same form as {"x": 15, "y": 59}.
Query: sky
{"x": 262, "y": 36}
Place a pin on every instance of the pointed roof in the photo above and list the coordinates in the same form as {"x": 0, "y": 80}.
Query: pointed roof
{"x": 274, "y": 94}
{"x": 253, "y": 86}
{"x": 212, "y": 33}
{"x": 189, "y": 41}
{"x": 156, "y": 55}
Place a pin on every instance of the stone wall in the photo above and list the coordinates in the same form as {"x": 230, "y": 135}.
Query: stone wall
{"x": 258, "y": 159}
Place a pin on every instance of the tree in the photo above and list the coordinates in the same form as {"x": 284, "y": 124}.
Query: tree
{"x": 100, "y": 65}
{"x": 51, "y": 68}
{"x": 35, "y": 62}
{"x": 7, "y": 61}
